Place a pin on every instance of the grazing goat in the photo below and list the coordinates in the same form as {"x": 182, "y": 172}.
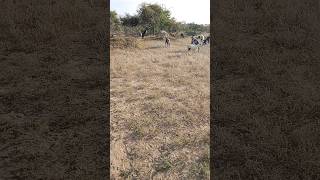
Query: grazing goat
{"x": 193, "y": 47}
{"x": 167, "y": 42}
{"x": 207, "y": 40}
{"x": 195, "y": 41}
{"x": 201, "y": 37}
{"x": 164, "y": 34}
{"x": 172, "y": 34}
{"x": 182, "y": 35}
{"x": 143, "y": 33}
{"x": 195, "y": 44}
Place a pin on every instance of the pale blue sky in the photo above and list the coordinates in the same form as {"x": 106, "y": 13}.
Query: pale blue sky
{"x": 197, "y": 11}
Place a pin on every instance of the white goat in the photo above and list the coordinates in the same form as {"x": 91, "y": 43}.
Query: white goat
{"x": 164, "y": 34}
{"x": 195, "y": 44}
{"x": 201, "y": 37}
{"x": 193, "y": 47}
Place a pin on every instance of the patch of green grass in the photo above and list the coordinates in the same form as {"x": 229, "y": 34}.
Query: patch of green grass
{"x": 130, "y": 173}
{"x": 201, "y": 169}
{"x": 137, "y": 132}
{"x": 163, "y": 165}
{"x": 125, "y": 173}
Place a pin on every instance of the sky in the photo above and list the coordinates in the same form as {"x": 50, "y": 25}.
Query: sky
{"x": 181, "y": 10}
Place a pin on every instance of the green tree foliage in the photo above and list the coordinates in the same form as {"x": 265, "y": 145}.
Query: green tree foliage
{"x": 193, "y": 29}
{"x": 149, "y": 17}
{"x": 114, "y": 17}
{"x": 129, "y": 20}
{"x": 156, "y": 18}
{"x": 114, "y": 21}
{"x": 165, "y": 21}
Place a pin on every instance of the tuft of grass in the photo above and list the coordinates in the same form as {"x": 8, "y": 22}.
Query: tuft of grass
{"x": 163, "y": 165}
{"x": 137, "y": 132}
{"x": 200, "y": 168}
{"x": 125, "y": 173}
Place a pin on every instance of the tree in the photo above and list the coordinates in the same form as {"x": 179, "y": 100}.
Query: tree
{"x": 114, "y": 21}
{"x": 129, "y": 20}
{"x": 146, "y": 15}
{"x": 154, "y": 16}
{"x": 193, "y": 29}
{"x": 114, "y": 17}
{"x": 166, "y": 22}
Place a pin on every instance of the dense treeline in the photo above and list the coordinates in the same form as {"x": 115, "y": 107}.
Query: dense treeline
{"x": 153, "y": 17}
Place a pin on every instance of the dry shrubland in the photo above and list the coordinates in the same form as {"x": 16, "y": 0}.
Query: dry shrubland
{"x": 160, "y": 111}
{"x": 266, "y": 89}
{"x": 53, "y": 90}
{"x": 125, "y": 42}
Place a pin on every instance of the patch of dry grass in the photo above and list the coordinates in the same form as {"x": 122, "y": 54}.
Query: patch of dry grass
{"x": 126, "y": 42}
{"x": 160, "y": 112}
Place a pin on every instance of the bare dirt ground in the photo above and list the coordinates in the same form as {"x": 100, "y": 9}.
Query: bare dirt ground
{"x": 160, "y": 111}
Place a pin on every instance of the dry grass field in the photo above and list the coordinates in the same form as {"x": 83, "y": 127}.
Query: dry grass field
{"x": 160, "y": 111}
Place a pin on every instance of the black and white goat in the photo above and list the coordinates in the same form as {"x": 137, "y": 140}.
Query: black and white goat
{"x": 143, "y": 33}
{"x": 195, "y": 44}
{"x": 167, "y": 42}
{"x": 207, "y": 40}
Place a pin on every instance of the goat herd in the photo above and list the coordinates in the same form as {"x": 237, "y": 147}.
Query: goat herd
{"x": 196, "y": 41}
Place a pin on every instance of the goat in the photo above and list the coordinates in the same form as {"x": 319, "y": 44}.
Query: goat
{"x": 201, "y": 37}
{"x": 173, "y": 34}
{"x": 164, "y": 34}
{"x": 143, "y": 33}
{"x": 195, "y": 44}
{"x": 167, "y": 42}
{"x": 196, "y": 41}
{"x": 207, "y": 40}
